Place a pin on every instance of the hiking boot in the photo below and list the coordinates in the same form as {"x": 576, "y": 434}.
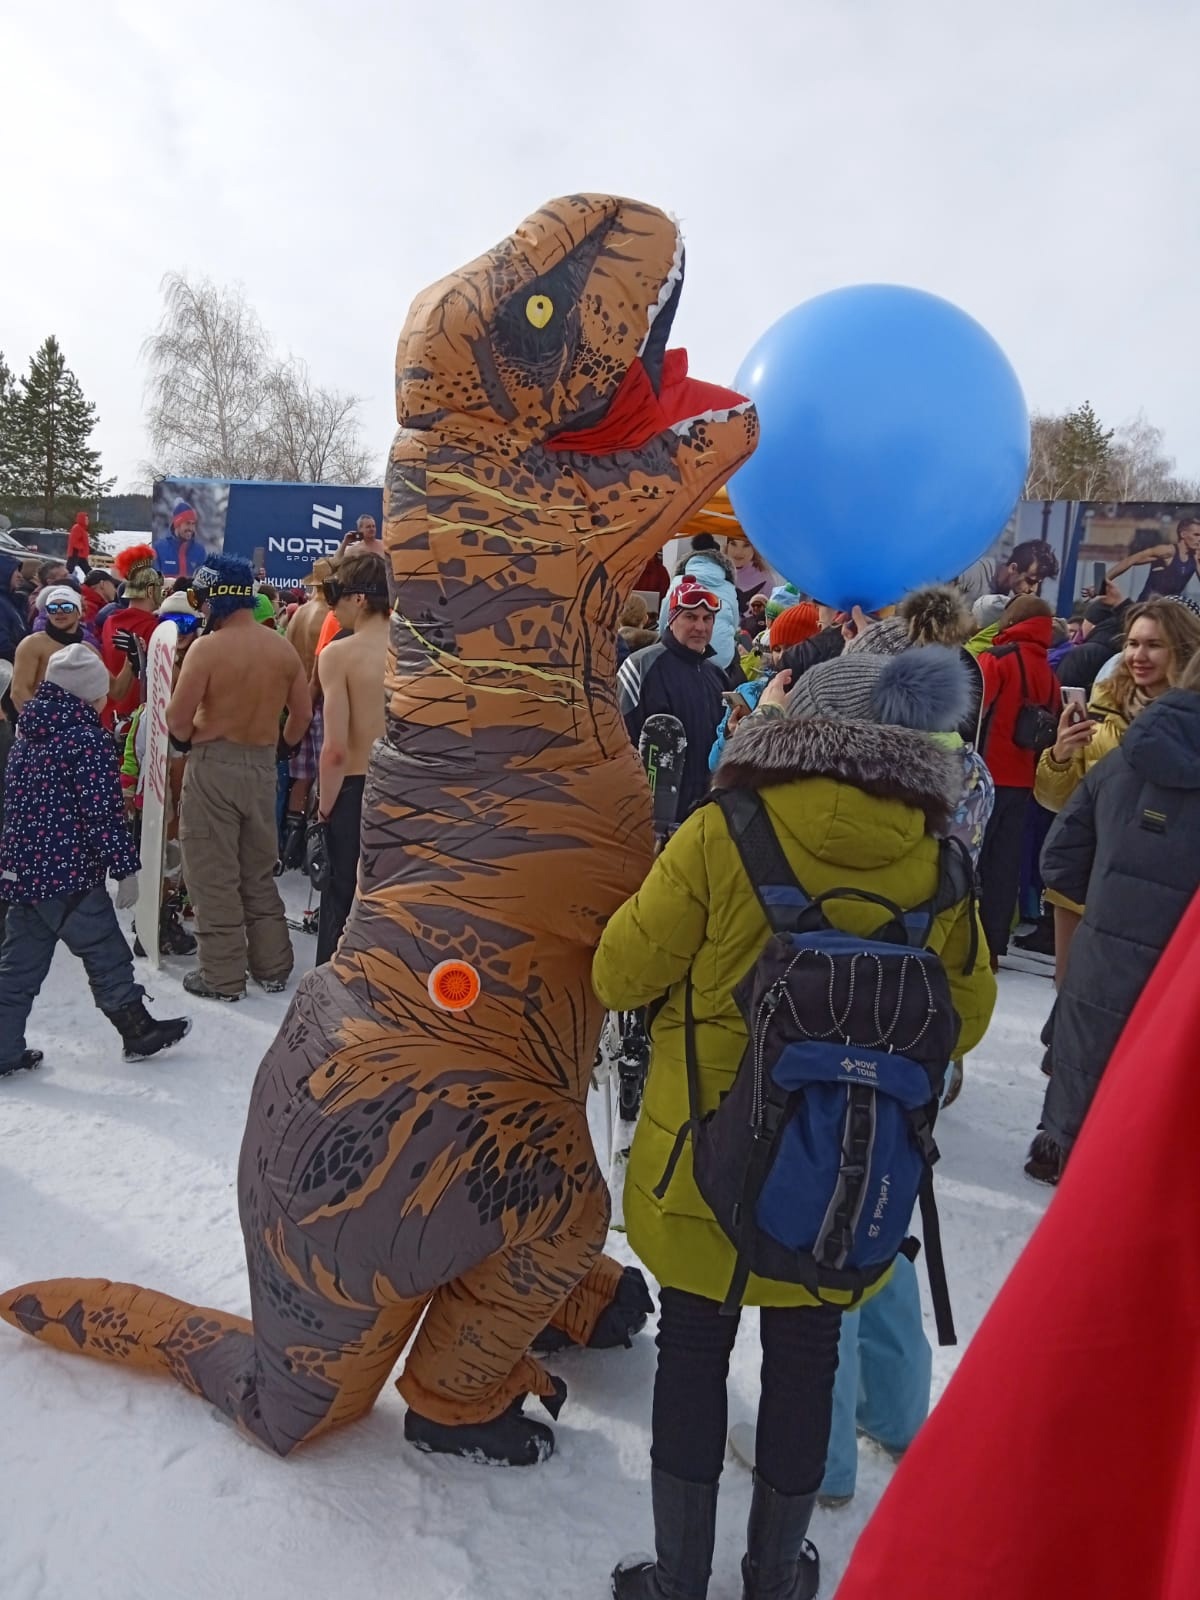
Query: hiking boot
{"x": 196, "y": 983}
{"x": 272, "y": 985}
{"x": 173, "y": 937}
{"x": 1046, "y": 1160}
{"x": 685, "y": 1528}
{"x": 143, "y": 1034}
{"x": 28, "y": 1060}
{"x": 780, "y": 1563}
{"x": 509, "y": 1440}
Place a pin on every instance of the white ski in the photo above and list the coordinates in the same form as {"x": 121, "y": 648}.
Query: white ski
{"x": 160, "y": 670}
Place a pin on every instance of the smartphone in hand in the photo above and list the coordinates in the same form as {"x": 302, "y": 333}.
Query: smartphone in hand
{"x": 1075, "y": 701}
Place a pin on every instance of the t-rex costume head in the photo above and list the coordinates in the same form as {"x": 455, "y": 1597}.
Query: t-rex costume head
{"x": 416, "y": 1143}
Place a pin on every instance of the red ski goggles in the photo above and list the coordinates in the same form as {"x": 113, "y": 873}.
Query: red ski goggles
{"x": 694, "y": 599}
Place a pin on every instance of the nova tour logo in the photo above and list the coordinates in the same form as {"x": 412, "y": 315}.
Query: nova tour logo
{"x": 861, "y": 1069}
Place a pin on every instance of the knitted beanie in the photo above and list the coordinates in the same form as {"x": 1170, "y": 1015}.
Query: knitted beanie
{"x": 887, "y": 638}
{"x": 795, "y": 625}
{"x": 80, "y": 671}
{"x": 926, "y": 689}
{"x": 229, "y": 583}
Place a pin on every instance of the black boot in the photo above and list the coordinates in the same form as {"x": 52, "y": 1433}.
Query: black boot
{"x": 780, "y": 1563}
{"x": 509, "y": 1440}
{"x": 173, "y": 937}
{"x": 616, "y": 1325}
{"x": 685, "y": 1530}
{"x": 1046, "y": 1160}
{"x": 144, "y": 1036}
{"x": 292, "y": 853}
{"x": 29, "y": 1060}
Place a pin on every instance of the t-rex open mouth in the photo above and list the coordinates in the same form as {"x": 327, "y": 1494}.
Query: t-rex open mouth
{"x": 656, "y": 393}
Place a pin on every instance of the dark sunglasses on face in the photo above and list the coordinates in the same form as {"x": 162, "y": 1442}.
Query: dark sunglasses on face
{"x": 335, "y": 591}
{"x": 61, "y": 608}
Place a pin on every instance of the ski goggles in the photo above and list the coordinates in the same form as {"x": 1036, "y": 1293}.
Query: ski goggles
{"x": 185, "y": 622}
{"x": 334, "y": 591}
{"x": 694, "y": 600}
{"x": 62, "y": 608}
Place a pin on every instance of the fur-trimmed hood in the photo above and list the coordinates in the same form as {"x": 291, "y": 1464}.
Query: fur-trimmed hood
{"x": 885, "y": 762}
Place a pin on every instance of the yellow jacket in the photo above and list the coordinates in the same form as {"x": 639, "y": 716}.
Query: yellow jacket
{"x": 1056, "y": 782}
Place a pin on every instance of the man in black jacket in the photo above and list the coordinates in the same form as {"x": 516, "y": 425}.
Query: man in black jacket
{"x": 678, "y": 676}
{"x": 1100, "y": 639}
{"x": 14, "y": 604}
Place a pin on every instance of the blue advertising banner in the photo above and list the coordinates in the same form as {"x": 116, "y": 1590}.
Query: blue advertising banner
{"x": 280, "y": 528}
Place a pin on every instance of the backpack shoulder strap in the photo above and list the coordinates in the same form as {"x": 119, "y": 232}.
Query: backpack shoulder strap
{"x": 776, "y": 888}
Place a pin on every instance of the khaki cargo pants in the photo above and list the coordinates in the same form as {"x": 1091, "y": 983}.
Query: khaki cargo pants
{"x": 229, "y": 841}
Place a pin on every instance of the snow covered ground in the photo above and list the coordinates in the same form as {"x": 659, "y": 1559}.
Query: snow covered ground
{"x": 118, "y": 1487}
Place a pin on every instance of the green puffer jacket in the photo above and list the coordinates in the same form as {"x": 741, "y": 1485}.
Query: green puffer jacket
{"x": 851, "y": 803}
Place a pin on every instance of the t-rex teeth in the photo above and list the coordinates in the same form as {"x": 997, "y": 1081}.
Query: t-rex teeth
{"x": 667, "y": 287}
{"x": 710, "y": 416}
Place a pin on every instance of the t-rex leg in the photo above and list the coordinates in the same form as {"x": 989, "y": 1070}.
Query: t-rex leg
{"x": 605, "y": 1308}
{"x": 470, "y": 1359}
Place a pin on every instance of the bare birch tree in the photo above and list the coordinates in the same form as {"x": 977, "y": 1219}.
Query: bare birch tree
{"x": 221, "y": 404}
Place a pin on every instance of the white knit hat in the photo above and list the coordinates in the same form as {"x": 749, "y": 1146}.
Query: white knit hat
{"x": 59, "y": 594}
{"x": 79, "y": 670}
{"x": 177, "y": 605}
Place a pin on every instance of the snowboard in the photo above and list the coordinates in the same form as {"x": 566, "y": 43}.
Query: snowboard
{"x": 662, "y": 748}
{"x": 160, "y": 671}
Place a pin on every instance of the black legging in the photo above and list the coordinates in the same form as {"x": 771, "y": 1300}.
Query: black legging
{"x": 795, "y": 1408}
{"x": 341, "y": 834}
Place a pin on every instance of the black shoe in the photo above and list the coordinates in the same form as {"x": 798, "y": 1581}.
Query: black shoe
{"x": 143, "y": 1035}
{"x": 1046, "y": 1160}
{"x": 29, "y": 1060}
{"x": 173, "y": 937}
{"x": 780, "y": 1563}
{"x": 292, "y": 853}
{"x": 139, "y": 948}
{"x": 616, "y": 1325}
{"x": 509, "y": 1440}
{"x": 685, "y": 1529}
{"x": 1040, "y": 942}
{"x": 196, "y": 983}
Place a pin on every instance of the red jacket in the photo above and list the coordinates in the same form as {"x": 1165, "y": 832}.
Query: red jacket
{"x": 1003, "y": 696}
{"x": 141, "y": 623}
{"x": 77, "y": 538}
{"x": 1064, "y": 1457}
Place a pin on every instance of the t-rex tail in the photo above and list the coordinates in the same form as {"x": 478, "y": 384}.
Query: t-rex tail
{"x": 120, "y": 1322}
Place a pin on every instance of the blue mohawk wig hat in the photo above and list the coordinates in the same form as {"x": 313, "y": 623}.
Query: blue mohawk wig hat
{"x": 227, "y": 583}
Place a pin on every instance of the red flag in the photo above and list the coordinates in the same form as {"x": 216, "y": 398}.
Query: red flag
{"x": 1064, "y": 1458}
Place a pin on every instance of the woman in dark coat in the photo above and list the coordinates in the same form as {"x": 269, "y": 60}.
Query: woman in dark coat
{"x": 1126, "y": 845}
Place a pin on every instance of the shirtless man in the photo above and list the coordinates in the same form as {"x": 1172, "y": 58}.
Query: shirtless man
{"x": 351, "y": 678}
{"x": 62, "y": 608}
{"x": 233, "y": 686}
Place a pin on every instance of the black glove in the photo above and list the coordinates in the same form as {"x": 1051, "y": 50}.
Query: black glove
{"x": 127, "y": 643}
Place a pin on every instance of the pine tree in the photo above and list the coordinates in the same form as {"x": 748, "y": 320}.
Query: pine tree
{"x": 10, "y": 470}
{"x": 1085, "y": 466}
{"x": 53, "y": 423}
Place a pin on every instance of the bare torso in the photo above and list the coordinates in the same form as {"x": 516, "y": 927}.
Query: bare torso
{"x": 29, "y": 665}
{"x": 304, "y": 630}
{"x": 248, "y": 674}
{"x": 356, "y": 667}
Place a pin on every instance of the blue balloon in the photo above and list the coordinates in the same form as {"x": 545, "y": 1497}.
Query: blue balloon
{"x": 895, "y": 443}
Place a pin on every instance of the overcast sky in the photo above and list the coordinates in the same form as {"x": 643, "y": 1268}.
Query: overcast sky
{"x": 1036, "y": 161}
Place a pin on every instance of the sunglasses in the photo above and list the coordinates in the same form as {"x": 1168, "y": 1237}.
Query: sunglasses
{"x": 334, "y": 591}
{"x": 62, "y": 608}
{"x": 185, "y": 622}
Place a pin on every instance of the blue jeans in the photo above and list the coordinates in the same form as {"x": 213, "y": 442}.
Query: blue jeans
{"x": 885, "y": 1368}
{"x": 87, "y": 924}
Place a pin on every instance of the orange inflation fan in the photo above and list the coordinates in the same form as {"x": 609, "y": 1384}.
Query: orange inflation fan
{"x": 454, "y": 985}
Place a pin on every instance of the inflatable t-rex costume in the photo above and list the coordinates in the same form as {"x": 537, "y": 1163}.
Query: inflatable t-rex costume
{"x": 416, "y": 1144}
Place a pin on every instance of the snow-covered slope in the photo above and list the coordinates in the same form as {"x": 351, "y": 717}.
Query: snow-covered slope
{"x": 119, "y": 1487}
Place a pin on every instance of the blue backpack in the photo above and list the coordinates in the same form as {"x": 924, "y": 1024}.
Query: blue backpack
{"x": 813, "y": 1162}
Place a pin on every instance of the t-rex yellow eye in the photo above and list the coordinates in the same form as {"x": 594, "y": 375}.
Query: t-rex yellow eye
{"x": 539, "y": 308}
